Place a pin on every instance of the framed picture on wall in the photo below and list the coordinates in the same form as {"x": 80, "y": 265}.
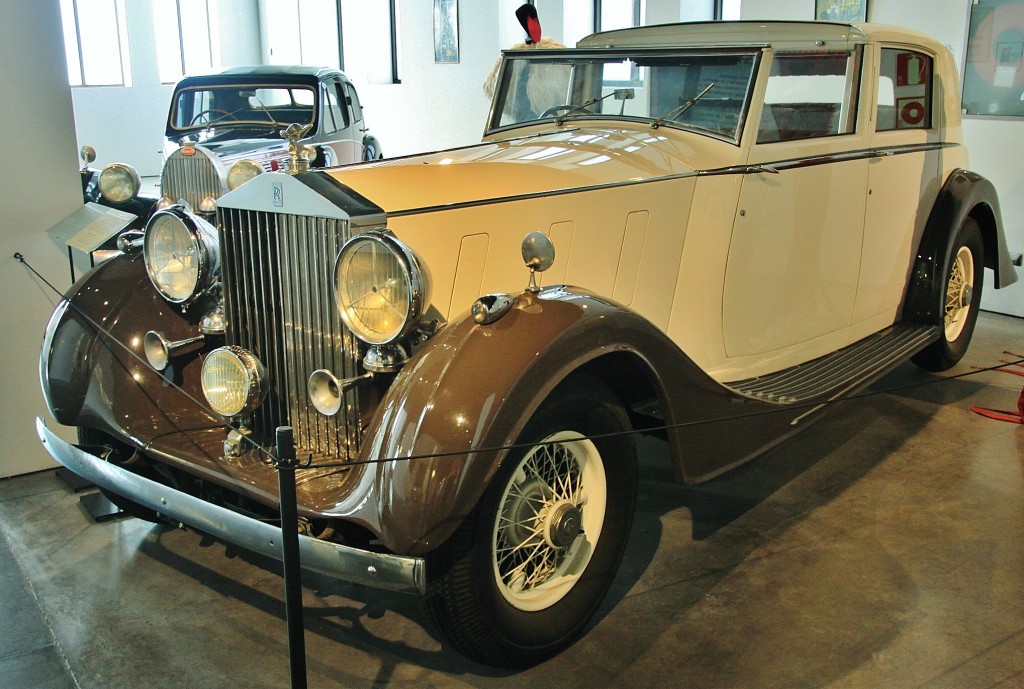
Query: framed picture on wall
{"x": 446, "y": 31}
{"x": 993, "y": 76}
{"x": 841, "y": 10}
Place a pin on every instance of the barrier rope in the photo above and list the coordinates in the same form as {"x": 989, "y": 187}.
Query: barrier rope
{"x": 268, "y": 457}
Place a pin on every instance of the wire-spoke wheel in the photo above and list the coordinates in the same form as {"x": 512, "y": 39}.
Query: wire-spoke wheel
{"x": 549, "y": 521}
{"x": 960, "y": 300}
{"x": 525, "y": 572}
{"x": 959, "y": 292}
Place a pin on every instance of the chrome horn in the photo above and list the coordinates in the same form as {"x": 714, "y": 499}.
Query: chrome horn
{"x": 159, "y": 349}
{"x": 325, "y": 389}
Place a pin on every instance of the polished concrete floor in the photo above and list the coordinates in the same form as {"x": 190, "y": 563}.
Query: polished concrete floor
{"x": 883, "y": 548}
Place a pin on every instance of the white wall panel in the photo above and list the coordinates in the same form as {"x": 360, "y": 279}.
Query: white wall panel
{"x": 41, "y": 186}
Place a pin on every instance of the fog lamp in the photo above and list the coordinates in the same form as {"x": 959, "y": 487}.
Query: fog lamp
{"x": 234, "y": 381}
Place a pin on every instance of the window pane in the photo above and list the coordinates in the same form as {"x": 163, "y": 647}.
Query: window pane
{"x": 195, "y": 36}
{"x": 100, "y": 32}
{"x": 168, "y": 50}
{"x": 808, "y": 96}
{"x": 618, "y": 14}
{"x": 367, "y": 40}
{"x": 705, "y": 92}
{"x": 353, "y": 103}
{"x": 904, "y": 90}
{"x": 318, "y": 24}
{"x": 67, "y": 15}
{"x": 283, "y": 33}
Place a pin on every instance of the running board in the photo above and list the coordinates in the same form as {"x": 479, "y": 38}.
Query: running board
{"x": 836, "y": 374}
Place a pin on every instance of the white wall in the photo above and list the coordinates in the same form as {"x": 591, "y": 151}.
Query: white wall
{"x": 996, "y": 146}
{"x": 437, "y": 105}
{"x": 40, "y": 186}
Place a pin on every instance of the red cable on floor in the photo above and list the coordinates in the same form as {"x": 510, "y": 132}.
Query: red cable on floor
{"x": 1002, "y": 414}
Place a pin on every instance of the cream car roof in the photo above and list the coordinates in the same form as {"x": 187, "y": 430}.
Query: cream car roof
{"x": 778, "y": 34}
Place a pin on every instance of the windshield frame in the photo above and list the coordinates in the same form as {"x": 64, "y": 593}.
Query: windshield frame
{"x": 511, "y": 57}
{"x": 235, "y": 123}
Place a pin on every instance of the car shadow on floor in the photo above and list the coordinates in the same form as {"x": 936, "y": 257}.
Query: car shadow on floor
{"x": 687, "y": 538}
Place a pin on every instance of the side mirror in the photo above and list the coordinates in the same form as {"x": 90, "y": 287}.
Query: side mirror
{"x": 538, "y": 254}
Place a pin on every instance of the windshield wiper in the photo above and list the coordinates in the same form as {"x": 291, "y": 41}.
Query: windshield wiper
{"x": 620, "y": 94}
{"x": 680, "y": 109}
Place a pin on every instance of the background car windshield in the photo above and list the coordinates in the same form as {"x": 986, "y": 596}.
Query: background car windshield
{"x": 703, "y": 91}
{"x": 232, "y": 105}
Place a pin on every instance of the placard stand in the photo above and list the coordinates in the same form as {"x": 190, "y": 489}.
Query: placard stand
{"x": 87, "y": 229}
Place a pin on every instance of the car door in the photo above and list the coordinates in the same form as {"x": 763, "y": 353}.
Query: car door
{"x": 795, "y": 252}
{"x": 903, "y": 177}
{"x": 340, "y": 129}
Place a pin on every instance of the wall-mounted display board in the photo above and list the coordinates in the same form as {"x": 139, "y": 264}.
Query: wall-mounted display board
{"x": 994, "y": 65}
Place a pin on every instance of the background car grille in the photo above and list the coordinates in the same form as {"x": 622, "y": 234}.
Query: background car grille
{"x": 278, "y": 273}
{"x": 193, "y": 177}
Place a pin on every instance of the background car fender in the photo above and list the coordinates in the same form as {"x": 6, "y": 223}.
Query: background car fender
{"x": 371, "y": 148}
{"x": 470, "y": 391}
{"x": 964, "y": 194}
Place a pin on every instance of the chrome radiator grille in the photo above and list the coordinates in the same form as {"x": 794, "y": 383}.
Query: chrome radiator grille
{"x": 278, "y": 273}
{"x": 193, "y": 177}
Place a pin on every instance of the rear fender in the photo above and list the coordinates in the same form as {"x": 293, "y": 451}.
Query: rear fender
{"x": 964, "y": 194}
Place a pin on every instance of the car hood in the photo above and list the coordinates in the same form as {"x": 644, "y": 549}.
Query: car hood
{"x": 559, "y": 161}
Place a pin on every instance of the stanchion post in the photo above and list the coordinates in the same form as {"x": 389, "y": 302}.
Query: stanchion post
{"x": 290, "y": 555}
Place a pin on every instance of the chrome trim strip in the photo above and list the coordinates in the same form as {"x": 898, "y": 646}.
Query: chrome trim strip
{"x": 391, "y": 572}
{"x": 792, "y": 163}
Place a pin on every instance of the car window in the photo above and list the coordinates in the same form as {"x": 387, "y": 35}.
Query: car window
{"x": 697, "y": 90}
{"x": 904, "y": 90}
{"x": 336, "y": 115}
{"x": 810, "y": 95}
{"x": 353, "y": 102}
{"x": 231, "y": 106}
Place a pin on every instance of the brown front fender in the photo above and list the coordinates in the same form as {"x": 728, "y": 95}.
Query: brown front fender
{"x": 445, "y": 424}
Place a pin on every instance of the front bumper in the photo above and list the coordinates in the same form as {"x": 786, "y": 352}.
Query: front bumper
{"x": 391, "y": 572}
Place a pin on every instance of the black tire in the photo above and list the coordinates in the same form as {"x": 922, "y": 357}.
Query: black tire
{"x": 959, "y": 299}
{"x": 494, "y": 623}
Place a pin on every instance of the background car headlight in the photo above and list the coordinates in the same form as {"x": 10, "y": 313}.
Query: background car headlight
{"x": 379, "y": 288}
{"x": 181, "y": 252}
{"x": 234, "y": 381}
{"x": 242, "y": 171}
{"x": 119, "y": 182}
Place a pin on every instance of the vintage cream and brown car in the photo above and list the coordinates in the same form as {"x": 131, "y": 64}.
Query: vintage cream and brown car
{"x": 748, "y": 221}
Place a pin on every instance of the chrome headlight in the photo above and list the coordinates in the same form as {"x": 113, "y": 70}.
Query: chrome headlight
{"x": 234, "y": 381}
{"x": 182, "y": 255}
{"x": 242, "y": 171}
{"x": 119, "y": 182}
{"x": 379, "y": 288}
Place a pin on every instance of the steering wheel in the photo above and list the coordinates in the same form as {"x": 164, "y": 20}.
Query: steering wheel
{"x": 728, "y": 122}
{"x": 560, "y": 109}
{"x": 208, "y": 111}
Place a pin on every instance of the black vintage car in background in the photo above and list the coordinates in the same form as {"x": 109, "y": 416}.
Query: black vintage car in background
{"x": 223, "y": 129}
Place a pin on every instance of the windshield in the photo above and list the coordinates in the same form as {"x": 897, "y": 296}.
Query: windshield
{"x": 704, "y": 91}
{"x": 258, "y": 108}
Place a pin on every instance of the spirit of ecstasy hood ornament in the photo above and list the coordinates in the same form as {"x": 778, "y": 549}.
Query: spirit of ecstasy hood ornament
{"x": 298, "y": 155}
